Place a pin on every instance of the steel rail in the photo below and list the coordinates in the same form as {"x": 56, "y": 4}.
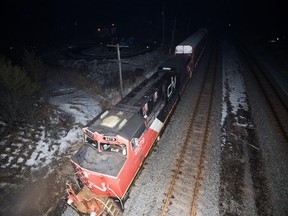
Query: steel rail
{"x": 193, "y": 147}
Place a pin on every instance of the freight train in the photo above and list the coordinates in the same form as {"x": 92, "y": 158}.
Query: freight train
{"x": 117, "y": 141}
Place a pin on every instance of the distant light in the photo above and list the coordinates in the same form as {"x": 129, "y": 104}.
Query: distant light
{"x": 229, "y": 24}
{"x": 147, "y": 47}
{"x": 98, "y": 29}
{"x": 113, "y": 24}
{"x": 11, "y": 47}
{"x": 274, "y": 40}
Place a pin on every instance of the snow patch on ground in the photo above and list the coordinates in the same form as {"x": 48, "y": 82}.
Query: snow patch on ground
{"x": 41, "y": 151}
{"x": 233, "y": 83}
{"x": 79, "y": 104}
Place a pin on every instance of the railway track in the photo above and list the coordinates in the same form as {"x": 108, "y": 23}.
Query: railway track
{"x": 183, "y": 190}
{"x": 277, "y": 107}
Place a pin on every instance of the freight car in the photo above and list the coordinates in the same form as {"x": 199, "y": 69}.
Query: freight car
{"x": 119, "y": 139}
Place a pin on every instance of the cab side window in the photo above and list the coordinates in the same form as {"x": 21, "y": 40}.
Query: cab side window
{"x": 134, "y": 143}
{"x": 145, "y": 109}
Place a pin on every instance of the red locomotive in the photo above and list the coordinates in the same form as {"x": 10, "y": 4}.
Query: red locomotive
{"x": 118, "y": 140}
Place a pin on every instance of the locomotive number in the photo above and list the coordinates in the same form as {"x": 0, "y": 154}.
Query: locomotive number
{"x": 171, "y": 88}
{"x": 109, "y": 138}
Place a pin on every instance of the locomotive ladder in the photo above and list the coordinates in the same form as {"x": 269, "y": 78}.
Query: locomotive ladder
{"x": 185, "y": 184}
{"x": 112, "y": 208}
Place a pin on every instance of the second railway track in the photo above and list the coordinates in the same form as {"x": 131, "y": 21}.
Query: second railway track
{"x": 276, "y": 104}
{"x": 183, "y": 191}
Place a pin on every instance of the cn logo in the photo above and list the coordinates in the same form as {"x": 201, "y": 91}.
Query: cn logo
{"x": 171, "y": 88}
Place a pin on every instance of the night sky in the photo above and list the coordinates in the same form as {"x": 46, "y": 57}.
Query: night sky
{"x": 50, "y": 22}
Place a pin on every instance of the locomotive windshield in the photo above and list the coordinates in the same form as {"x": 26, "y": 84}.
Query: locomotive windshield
{"x": 89, "y": 158}
{"x": 115, "y": 148}
{"x": 90, "y": 141}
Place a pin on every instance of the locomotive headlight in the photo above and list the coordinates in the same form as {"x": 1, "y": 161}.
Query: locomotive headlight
{"x": 93, "y": 213}
{"x": 85, "y": 174}
{"x": 69, "y": 201}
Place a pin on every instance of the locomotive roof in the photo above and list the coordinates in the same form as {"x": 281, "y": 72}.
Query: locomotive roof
{"x": 195, "y": 38}
{"x": 125, "y": 118}
{"x": 125, "y": 115}
{"x": 177, "y": 62}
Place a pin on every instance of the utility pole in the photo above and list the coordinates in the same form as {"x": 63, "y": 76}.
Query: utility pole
{"x": 119, "y": 63}
{"x": 173, "y": 33}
